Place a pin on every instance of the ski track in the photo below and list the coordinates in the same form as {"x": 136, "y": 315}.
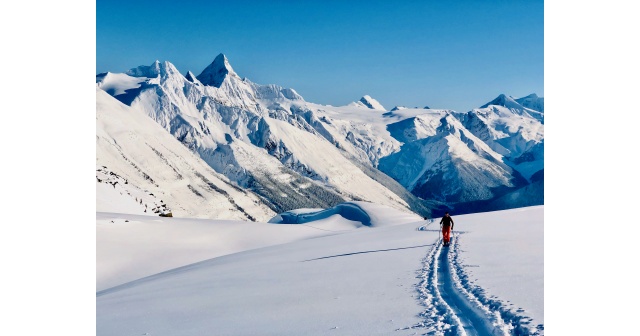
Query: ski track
{"x": 455, "y": 306}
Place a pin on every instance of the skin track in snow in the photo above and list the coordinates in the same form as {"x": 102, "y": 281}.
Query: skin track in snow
{"x": 474, "y": 321}
{"x": 507, "y": 320}
{"x": 453, "y": 306}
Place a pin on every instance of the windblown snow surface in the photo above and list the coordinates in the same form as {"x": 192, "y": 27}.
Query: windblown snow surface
{"x": 354, "y": 269}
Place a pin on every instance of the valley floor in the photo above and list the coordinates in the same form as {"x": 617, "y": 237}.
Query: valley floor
{"x": 171, "y": 276}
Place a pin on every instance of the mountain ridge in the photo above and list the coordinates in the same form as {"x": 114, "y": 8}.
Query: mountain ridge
{"x": 223, "y": 118}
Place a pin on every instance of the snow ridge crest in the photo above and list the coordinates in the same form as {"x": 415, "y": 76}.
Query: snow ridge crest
{"x": 371, "y": 103}
{"x": 162, "y": 69}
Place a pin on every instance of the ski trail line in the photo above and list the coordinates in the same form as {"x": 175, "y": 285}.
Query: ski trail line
{"x": 473, "y": 320}
{"x": 455, "y": 306}
{"x": 450, "y": 308}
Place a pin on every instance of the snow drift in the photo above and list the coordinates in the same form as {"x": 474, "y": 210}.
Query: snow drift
{"x": 367, "y": 214}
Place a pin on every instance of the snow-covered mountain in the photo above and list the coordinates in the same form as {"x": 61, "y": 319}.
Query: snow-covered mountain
{"x": 533, "y": 102}
{"x": 398, "y": 108}
{"x": 150, "y": 168}
{"x": 514, "y": 131}
{"x": 254, "y": 134}
{"x": 434, "y": 155}
{"x": 515, "y": 107}
{"x": 368, "y": 102}
{"x": 296, "y": 154}
{"x": 443, "y": 160}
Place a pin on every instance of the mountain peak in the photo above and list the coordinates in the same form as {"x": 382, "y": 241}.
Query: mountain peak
{"x": 164, "y": 69}
{"x": 191, "y": 77}
{"x": 216, "y": 72}
{"x": 371, "y": 103}
{"x": 503, "y": 100}
{"x": 526, "y": 106}
{"x": 533, "y": 102}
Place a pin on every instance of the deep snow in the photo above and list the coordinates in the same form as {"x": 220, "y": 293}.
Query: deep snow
{"x": 319, "y": 279}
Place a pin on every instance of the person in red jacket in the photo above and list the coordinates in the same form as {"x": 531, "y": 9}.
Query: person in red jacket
{"x": 446, "y": 223}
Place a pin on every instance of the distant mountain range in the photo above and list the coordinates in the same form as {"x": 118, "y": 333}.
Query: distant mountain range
{"x": 220, "y": 146}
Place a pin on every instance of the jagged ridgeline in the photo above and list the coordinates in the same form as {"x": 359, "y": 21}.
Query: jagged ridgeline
{"x": 278, "y": 152}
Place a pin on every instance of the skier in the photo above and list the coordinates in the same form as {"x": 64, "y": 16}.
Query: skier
{"x": 446, "y": 223}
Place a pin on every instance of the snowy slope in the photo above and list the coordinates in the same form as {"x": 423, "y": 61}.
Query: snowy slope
{"x": 512, "y": 130}
{"x": 132, "y": 145}
{"x": 118, "y": 84}
{"x": 367, "y": 102}
{"x": 115, "y": 194}
{"x": 358, "y": 131}
{"x": 503, "y": 258}
{"x": 514, "y": 106}
{"x": 443, "y": 160}
{"x": 376, "y": 280}
{"x": 533, "y": 102}
{"x": 149, "y": 245}
{"x": 161, "y": 244}
{"x": 364, "y": 213}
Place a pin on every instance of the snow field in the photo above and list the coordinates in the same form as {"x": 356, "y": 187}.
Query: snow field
{"x": 355, "y": 280}
{"x": 358, "y": 282}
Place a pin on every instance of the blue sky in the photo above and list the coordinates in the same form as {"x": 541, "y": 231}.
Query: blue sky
{"x": 444, "y": 54}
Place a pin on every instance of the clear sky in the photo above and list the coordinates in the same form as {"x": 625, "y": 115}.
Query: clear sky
{"x": 444, "y": 54}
